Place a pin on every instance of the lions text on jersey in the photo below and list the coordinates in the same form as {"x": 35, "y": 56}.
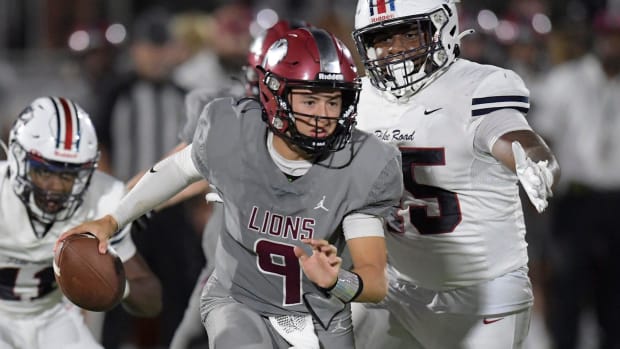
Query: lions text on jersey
{"x": 263, "y": 223}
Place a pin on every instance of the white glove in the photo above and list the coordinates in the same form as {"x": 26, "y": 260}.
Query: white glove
{"x": 535, "y": 178}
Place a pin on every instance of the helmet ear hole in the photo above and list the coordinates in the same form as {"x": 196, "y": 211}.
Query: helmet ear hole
{"x": 278, "y": 123}
{"x": 272, "y": 82}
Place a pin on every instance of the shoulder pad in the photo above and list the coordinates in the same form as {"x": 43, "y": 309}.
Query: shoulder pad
{"x": 500, "y": 89}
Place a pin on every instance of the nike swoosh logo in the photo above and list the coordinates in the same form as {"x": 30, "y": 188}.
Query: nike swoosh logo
{"x": 427, "y": 112}
{"x": 152, "y": 170}
{"x": 490, "y": 321}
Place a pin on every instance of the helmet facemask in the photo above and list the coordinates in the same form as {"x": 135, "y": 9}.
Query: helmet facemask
{"x": 283, "y": 122}
{"x": 45, "y": 205}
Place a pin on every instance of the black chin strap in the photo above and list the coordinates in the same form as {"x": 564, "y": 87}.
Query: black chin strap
{"x": 39, "y": 228}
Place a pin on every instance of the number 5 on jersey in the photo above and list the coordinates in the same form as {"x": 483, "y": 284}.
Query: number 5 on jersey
{"x": 448, "y": 202}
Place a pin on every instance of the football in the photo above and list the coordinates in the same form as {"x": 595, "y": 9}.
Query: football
{"x": 91, "y": 280}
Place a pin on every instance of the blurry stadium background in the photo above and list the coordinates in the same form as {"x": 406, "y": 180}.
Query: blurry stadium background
{"x": 44, "y": 43}
{"x": 74, "y": 47}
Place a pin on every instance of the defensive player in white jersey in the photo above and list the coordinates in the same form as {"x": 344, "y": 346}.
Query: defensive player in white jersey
{"x": 288, "y": 187}
{"x": 48, "y": 184}
{"x": 456, "y": 251}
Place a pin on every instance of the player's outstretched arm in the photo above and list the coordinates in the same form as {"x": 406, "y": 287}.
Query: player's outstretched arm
{"x": 134, "y": 180}
{"x": 163, "y": 181}
{"x": 527, "y": 154}
{"x": 198, "y": 188}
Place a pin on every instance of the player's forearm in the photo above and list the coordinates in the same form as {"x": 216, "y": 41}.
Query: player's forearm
{"x": 159, "y": 184}
{"x": 197, "y": 188}
{"x": 534, "y": 146}
{"x": 369, "y": 258}
{"x": 144, "y": 298}
{"x": 134, "y": 180}
{"x": 375, "y": 284}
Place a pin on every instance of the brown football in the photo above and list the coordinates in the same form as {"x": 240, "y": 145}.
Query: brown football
{"x": 91, "y": 280}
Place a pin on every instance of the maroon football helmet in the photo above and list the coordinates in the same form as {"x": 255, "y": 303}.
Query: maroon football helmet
{"x": 308, "y": 58}
{"x": 259, "y": 47}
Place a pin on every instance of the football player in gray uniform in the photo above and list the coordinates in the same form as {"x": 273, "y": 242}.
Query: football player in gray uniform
{"x": 295, "y": 193}
{"x": 190, "y": 328}
{"x": 457, "y": 251}
{"x": 48, "y": 184}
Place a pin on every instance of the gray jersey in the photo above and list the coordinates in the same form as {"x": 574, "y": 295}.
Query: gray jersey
{"x": 267, "y": 215}
{"x": 195, "y": 102}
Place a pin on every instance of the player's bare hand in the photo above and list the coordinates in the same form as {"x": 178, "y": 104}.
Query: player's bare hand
{"x": 102, "y": 228}
{"x": 322, "y": 266}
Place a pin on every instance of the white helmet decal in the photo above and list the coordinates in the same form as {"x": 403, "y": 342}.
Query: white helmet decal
{"x": 68, "y": 133}
{"x": 381, "y": 10}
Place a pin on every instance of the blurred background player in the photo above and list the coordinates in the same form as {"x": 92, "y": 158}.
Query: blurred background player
{"x": 226, "y": 38}
{"x": 457, "y": 253}
{"x": 138, "y": 121}
{"x": 49, "y": 182}
{"x": 580, "y": 115}
{"x": 305, "y": 152}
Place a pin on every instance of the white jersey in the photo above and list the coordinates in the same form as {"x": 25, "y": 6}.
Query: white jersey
{"x": 461, "y": 221}
{"x": 27, "y": 284}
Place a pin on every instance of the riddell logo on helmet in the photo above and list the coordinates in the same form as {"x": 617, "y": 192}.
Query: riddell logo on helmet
{"x": 65, "y": 154}
{"x": 330, "y": 76}
{"x": 380, "y": 18}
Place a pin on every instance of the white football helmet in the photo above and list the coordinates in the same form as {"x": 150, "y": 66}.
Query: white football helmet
{"x": 402, "y": 74}
{"x": 52, "y": 136}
